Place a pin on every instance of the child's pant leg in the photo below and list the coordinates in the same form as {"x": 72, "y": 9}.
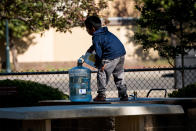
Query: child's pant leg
{"x": 118, "y": 75}
{"x": 103, "y": 77}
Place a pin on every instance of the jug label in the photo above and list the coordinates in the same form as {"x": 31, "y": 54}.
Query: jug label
{"x": 77, "y": 73}
{"x": 82, "y": 91}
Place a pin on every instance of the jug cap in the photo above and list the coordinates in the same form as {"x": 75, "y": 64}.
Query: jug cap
{"x": 80, "y": 62}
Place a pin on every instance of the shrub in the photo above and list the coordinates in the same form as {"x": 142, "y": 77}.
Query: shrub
{"x": 188, "y": 91}
{"x": 28, "y": 93}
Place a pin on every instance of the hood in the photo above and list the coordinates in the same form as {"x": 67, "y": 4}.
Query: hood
{"x": 101, "y": 30}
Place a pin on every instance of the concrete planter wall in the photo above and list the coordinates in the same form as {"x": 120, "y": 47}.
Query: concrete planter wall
{"x": 172, "y": 122}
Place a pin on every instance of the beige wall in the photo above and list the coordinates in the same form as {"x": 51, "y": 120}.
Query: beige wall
{"x": 56, "y": 46}
{"x": 120, "y": 8}
{"x": 71, "y": 46}
{"x": 60, "y": 47}
{"x": 42, "y": 50}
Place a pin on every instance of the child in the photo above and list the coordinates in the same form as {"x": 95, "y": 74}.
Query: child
{"x": 109, "y": 58}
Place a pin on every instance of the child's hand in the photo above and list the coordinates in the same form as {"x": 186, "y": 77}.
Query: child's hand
{"x": 91, "y": 49}
{"x": 102, "y": 68}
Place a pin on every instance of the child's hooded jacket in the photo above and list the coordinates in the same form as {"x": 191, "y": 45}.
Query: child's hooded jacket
{"x": 107, "y": 45}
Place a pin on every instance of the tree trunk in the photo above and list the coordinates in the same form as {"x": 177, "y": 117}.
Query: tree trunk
{"x": 2, "y": 55}
{"x": 14, "y": 53}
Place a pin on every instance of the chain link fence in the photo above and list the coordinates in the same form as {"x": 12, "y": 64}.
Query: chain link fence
{"x": 159, "y": 80}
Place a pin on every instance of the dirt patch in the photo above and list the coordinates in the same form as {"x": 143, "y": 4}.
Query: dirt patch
{"x": 64, "y": 66}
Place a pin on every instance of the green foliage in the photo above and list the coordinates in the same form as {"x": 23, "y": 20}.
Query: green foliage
{"x": 17, "y": 29}
{"x": 166, "y": 25}
{"x": 41, "y": 15}
{"x": 27, "y": 16}
{"x": 188, "y": 91}
{"x": 28, "y": 93}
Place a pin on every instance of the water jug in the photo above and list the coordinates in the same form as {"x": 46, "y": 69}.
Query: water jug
{"x": 79, "y": 83}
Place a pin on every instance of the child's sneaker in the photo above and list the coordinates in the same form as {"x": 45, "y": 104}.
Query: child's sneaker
{"x": 100, "y": 97}
{"x": 124, "y": 98}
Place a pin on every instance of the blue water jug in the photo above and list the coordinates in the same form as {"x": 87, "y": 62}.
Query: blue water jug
{"x": 79, "y": 83}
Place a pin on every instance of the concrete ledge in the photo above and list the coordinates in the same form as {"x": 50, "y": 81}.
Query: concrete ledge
{"x": 88, "y": 111}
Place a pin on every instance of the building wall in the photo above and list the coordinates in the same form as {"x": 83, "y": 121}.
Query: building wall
{"x": 42, "y": 50}
{"x": 55, "y": 46}
{"x": 70, "y": 46}
{"x": 120, "y": 8}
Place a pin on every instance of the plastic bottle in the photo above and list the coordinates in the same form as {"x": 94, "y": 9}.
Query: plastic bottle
{"x": 79, "y": 83}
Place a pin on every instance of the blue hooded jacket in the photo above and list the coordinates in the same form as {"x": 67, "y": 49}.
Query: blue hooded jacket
{"x": 107, "y": 45}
